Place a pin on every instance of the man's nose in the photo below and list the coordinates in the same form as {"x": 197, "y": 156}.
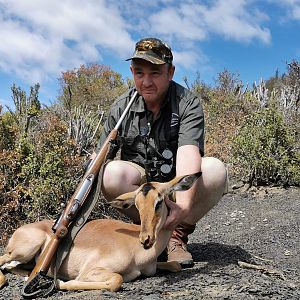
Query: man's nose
{"x": 147, "y": 81}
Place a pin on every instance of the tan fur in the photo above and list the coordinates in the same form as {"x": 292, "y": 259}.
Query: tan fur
{"x": 105, "y": 252}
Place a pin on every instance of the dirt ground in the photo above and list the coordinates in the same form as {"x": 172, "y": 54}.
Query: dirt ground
{"x": 247, "y": 247}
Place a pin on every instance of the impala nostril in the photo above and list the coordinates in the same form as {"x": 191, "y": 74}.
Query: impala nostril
{"x": 146, "y": 243}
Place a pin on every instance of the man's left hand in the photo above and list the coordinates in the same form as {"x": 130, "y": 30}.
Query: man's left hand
{"x": 176, "y": 214}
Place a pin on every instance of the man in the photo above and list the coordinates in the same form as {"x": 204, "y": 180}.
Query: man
{"x": 162, "y": 136}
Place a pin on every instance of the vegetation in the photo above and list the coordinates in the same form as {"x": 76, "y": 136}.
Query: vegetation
{"x": 42, "y": 150}
{"x": 94, "y": 85}
{"x": 265, "y": 149}
{"x": 256, "y": 132}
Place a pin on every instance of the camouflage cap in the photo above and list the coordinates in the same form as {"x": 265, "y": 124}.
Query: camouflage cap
{"x": 153, "y": 50}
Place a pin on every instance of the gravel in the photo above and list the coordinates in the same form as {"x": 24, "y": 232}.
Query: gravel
{"x": 259, "y": 227}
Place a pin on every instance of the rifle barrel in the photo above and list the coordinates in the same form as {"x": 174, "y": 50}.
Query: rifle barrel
{"x": 126, "y": 110}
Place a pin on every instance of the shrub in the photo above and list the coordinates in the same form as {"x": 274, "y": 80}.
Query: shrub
{"x": 49, "y": 169}
{"x": 39, "y": 173}
{"x": 8, "y": 131}
{"x": 223, "y": 115}
{"x": 265, "y": 149}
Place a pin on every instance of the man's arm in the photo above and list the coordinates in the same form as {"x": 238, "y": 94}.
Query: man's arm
{"x": 188, "y": 161}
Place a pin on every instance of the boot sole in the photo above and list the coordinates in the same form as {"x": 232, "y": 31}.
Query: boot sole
{"x": 187, "y": 264}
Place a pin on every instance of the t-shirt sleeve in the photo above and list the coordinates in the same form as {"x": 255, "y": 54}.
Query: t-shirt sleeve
{"x": 191, "y": 129}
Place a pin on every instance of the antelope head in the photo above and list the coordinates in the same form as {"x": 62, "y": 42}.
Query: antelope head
{"x": 149, "y": 201}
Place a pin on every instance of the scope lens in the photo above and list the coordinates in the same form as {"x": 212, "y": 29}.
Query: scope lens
{"x": 165, "y": 169}
{"x": 167, "y": 154}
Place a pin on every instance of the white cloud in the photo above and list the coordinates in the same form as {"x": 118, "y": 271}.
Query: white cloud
{"x": 189, "y": 23}
{"x": 233, "y": 19}
{"x": 178, "y": 23}
{"x": 291, "y": 9}
{"x": 294, "y": 9}
{"x": 189, "y": 58}
{"x": 39, "y": 39}
{"x": 296, "y": 13}
{"x": 236, "y": 20}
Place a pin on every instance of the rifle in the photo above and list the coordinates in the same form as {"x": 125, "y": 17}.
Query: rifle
{"x": 38, "y": 283}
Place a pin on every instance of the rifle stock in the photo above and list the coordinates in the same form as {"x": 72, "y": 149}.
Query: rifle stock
{"x": 60, "y": 228}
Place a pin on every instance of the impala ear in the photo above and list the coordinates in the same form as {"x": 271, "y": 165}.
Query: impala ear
{"x": 181, "y": 183}
{"x": 124, "y": 201}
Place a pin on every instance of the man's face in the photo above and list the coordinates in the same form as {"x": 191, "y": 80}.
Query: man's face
{"x": 152, "y": 81}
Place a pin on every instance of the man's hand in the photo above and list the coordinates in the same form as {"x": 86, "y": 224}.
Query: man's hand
{"x": 176, "y": 215}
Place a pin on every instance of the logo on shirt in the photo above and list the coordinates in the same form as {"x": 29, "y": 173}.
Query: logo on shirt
{"x": 174, "y": 119}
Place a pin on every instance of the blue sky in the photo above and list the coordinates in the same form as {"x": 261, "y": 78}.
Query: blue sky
{"x": 40, "y": 39}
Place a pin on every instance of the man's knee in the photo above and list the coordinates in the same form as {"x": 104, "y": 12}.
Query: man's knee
{"x": 119, "y": 177}
{"x": 214, "y": 173}
{"x": 211, "y": 187}
{"x": 112, "y": 170}
{"x": 122, "y": 172}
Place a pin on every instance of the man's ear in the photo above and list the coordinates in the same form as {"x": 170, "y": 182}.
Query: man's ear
{"x": 123, "y": 201}
{"x": 171, "y": 72}
{"x": 131, "y": 68}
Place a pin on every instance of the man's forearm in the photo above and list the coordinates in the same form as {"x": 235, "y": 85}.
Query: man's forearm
{"x": 188, "y": 161}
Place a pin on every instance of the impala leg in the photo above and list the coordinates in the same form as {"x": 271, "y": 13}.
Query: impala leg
{"x": 10, "y": 265}
{"x": 2, "y": 280}
{"x": 96, "y": 279}
{"x": 24, "y": 244}
{"x": 6, "y": 258}
{"x": 19, "y": 251}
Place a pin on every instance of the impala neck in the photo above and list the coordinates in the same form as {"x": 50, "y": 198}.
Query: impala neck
{"x": 162, "y": 240}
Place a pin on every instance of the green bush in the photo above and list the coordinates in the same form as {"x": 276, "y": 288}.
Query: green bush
{"x": 223, "y": 115}
{"x": 8, "y": 131}
{"x": 265, "y": 149}
{"x": 50, "y": 169}
{"x": 38, "y": 173}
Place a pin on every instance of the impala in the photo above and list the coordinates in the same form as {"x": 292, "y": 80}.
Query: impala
{"x": 106, "y": 252}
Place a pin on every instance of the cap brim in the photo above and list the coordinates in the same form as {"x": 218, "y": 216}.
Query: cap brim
{"x": 146, "y": 56}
